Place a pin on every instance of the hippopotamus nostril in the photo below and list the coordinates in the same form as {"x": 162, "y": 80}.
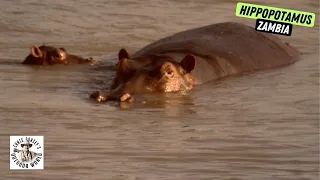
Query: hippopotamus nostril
{"x": 95, "y": 95}
{"x": 89, "y": 59}
{"x": 98, "y": 97}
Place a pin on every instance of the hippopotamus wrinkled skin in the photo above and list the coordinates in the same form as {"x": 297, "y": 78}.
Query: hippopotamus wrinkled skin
{"x": 49, "y": 55}
{"x": 185, "y": 59}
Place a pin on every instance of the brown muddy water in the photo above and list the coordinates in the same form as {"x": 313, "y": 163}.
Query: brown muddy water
{"x": 261, "y": 126}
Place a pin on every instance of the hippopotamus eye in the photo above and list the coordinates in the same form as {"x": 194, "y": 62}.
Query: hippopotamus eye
{"x": 58, "y": 55}
{"x": 169, "y": 73}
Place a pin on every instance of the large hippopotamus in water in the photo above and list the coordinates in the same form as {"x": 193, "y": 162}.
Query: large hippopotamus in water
{"x": 185, "y": 59}
{"x": 49, "y": 55}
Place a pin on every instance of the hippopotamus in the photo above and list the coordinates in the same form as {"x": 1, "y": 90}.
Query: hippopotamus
{"x": 49, "y": 55}
{"x": 185, "y": 59}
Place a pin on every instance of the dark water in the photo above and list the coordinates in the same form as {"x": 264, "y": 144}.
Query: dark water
{"x": 261, "y": 126}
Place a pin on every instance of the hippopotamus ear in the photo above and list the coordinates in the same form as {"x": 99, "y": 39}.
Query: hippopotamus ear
{"x": 188, "y": 63}
{"x": 36, "y": 52}
{"x": 63, "y": 49}
{"x": 123, "y": 54}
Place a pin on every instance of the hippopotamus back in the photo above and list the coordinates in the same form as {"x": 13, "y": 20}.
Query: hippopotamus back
{"x": 224, "y": 49}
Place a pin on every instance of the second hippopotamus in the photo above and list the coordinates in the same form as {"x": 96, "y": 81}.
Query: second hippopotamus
{"x": 49, "y": 55}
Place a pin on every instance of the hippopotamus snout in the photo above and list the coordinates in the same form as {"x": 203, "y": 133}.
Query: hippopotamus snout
{"x": 49, "y": 55}
{"x": 74, "y": 59}
{"x": 99, "y": 97}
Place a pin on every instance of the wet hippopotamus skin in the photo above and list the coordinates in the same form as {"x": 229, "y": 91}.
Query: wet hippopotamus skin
{"x": 49, "y": 55}
{"x": 185, "y": 59}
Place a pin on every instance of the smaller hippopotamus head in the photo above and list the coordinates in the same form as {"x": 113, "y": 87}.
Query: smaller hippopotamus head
{"x": 152, "y": 73}
{"x": 48, "y": 55}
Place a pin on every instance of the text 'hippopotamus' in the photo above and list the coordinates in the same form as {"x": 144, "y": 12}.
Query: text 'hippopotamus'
{"x": 185, "y": 59}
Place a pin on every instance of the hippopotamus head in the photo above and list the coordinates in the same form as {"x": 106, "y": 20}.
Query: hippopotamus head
{"x": 152, "y": 73}
{"x": 49, "y": 55}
